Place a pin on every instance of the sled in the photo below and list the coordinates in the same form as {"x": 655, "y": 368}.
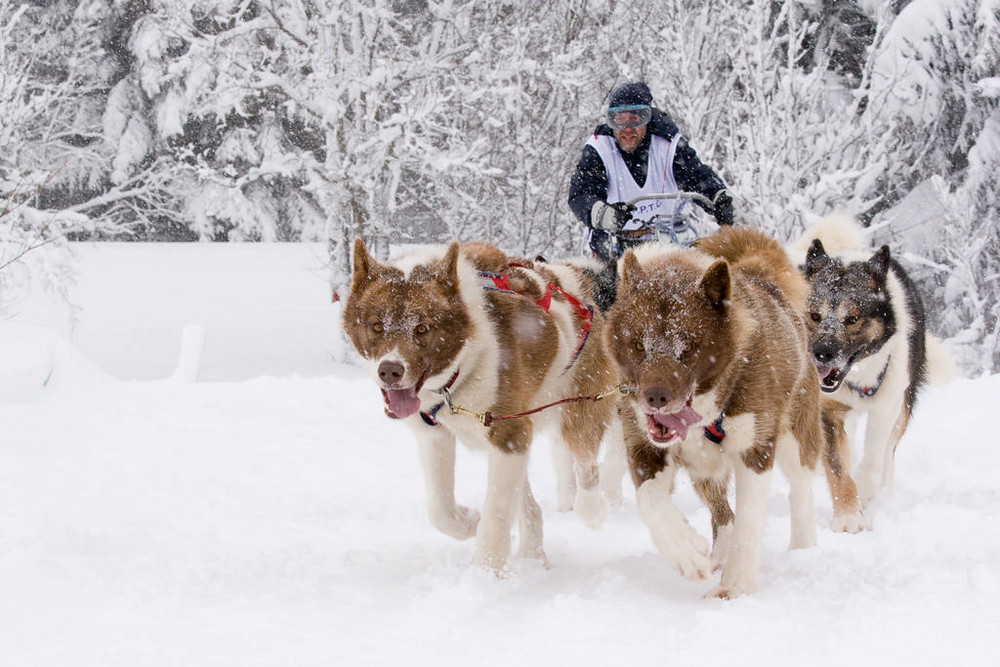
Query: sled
{"x": 680, "y": 226}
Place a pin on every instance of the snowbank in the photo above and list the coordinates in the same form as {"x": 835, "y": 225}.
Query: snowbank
{"x": 264, "y": 307}
{"x": 281, "y": 521}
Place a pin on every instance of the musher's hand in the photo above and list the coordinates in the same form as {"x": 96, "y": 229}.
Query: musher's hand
{"x": 610, "y": 217}
{"x": 722, "y": 208}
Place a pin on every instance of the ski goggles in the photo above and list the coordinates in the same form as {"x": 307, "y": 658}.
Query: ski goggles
{"x": 630, "y": 115}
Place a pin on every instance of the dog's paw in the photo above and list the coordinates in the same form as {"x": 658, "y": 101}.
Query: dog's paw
{"x": 688, "y": 553}
{"x": 494, "y": 562}
{"x": 591, "y": 507}
{"x": 853, "y": 522}
{"x": 696, "y": 565}
{"x": 727, "y": 593}
{"x": 676, "y": 540}
{"x": 460, "y": 522}
{"x": 467, "y": 520}
{"x": 532, "y": 552}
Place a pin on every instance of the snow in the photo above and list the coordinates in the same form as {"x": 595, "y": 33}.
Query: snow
{"x": 276, "y": 517}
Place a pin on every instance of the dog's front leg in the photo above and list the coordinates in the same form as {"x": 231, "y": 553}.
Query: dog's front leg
{"x": 676, "y": 540}
{"x": 615, "y": 463}
{"x": 530, "y": 525}
{"x": 565, "y": 477}
{"x": 847, "y": 515}
{"x": 653, "y": 470}
{"x": 714, "y": 493}
{"x": 753, "y": 481}
{"x": 436, "y": 446}
{"x": 880, "y": 445}
{"x": 505, "y": 482}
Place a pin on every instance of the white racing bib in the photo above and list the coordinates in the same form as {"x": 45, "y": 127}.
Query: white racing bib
{"x": 659, "y": 177}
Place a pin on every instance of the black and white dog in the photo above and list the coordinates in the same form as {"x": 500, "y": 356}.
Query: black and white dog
{"x": 868, "y": 339}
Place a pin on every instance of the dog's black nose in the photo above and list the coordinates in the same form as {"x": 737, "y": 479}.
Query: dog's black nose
{"x": 391, "y": 372}
{"x": 824, "y": 354}
{"x": 657, "y": 397}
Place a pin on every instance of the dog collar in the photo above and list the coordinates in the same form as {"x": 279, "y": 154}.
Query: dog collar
{"x": 430, "y": 416}
{"x": 714, "y": 431}
{"x": 870, "y": 390}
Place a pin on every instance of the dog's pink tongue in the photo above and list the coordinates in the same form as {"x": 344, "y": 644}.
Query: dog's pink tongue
{"x": 679, "y": 421}
{"x": 401, "y": 403}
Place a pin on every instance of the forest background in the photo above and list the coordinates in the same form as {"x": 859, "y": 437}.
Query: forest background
{"x": 423, "y": 121}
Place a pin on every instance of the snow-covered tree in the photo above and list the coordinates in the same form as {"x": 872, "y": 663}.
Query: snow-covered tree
{"x": 933, "y": 113}
{"x": 421, "y": 120}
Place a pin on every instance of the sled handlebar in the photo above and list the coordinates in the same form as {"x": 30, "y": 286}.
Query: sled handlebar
{"x": 691, "y": 196}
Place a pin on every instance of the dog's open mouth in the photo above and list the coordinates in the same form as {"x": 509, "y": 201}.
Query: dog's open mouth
{"x": 830, "y": 378}
{"x": 402, "y": 403}
{"x": 668, "y": 427}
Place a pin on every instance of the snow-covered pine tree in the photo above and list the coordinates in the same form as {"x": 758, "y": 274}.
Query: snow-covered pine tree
{"x": 932, "y": 118}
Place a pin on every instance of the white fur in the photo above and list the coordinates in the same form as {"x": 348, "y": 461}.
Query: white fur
{"x": 843, "y": 237}
{"x": 436, "y": 450}
{"x": 941, "y": 367}
{"x": 800, "y": 493}
{"x": 614, "y": 466}
{"x": 565, "y": 475}
{"x": 737, "y": 545}
{"x": 508, "y": 492}
{"x": 840, "y": 235}
{"x": 506, "y": 480}
{"x": 739, "y": 574}
{"x": 673, "y": 536}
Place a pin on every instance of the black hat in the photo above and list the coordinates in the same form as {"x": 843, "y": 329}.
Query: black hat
{"x": 626, "y": 94}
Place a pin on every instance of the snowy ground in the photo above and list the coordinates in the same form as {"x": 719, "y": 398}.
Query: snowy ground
{"x": 269, "y": 520}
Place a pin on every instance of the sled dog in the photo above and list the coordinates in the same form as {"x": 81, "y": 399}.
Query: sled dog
{"x": 868, "y": 341}
{"x": 712, "y": 344}
{"x": 463, "y": 330}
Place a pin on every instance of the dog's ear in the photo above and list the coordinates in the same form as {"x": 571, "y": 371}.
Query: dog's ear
{"x": 879, "y": 263}
{"x": 816, "y": 258}
{"x": 449, "y": 268}
{"x": 630, "y": 270}
{"x": 364, "y": 265}
{"x": 717, "y": 285}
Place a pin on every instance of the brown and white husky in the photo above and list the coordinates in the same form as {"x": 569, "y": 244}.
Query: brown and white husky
{"x": 463, "y": 329}
{"x": 711, "y": 340}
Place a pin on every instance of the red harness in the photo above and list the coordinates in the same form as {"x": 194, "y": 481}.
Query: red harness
{"x": 583, "y": 313}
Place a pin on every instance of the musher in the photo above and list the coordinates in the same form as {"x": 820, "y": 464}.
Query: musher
{"x": 638, "y": 150}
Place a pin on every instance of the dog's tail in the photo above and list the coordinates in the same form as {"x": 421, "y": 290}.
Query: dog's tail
{"x": 838, "y": 232}
{"x": 941, "y": 367}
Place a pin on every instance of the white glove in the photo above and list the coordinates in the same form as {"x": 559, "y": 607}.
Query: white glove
{"x": 610, "y": 217}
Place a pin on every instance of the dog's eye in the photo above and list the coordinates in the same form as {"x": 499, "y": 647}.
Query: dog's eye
{"x": 639, "y": 346}
{"x": 422, "y": 329}
{"x": 815, "y": 317}
{"x": 850, "y": 319}
{"x": 377, "y": 327}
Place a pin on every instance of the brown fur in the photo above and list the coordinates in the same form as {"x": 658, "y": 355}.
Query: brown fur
{"x": 836, "y": 461}
{"x": 715, "y": 497}
{"x": 426, "y": 328}
{"x": 717, "y": 328}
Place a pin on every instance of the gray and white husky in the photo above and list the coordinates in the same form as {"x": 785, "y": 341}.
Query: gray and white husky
{"x": 868, "y": 341}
